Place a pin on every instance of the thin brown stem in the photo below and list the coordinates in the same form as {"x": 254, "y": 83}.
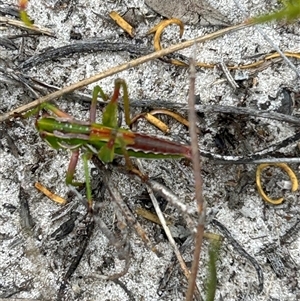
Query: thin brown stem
{"x": 198, "y": 183}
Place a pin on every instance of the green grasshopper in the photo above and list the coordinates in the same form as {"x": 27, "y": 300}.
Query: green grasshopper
{"x": 105, "y": 140}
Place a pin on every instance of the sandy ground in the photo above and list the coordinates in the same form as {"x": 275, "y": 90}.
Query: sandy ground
{"x": 34, "y": 262}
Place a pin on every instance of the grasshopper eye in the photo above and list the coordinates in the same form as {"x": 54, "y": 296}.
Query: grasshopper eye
{"x": 43, "y": 135}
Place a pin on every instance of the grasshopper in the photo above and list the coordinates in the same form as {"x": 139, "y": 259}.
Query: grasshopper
{"x": 106, "y": 140}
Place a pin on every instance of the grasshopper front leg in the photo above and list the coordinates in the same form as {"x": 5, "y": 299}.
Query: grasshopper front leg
{"x": 110, "y": 114}
{"x": 107, "y": 152}
{"x": 110, "y": 117}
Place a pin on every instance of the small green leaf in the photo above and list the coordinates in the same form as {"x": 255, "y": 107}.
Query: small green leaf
{"x": 25, "y": 18}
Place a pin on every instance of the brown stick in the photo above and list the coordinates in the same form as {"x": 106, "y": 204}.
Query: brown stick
{"x": 198, "y": 183}
{"x": 120, "y": 68}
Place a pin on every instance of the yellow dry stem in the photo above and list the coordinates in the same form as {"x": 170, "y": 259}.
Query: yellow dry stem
{"x": 49, "y": 194}
{"x": 122, "y": 23}
{"x": 172, "y": 114}
{"x": 156, "y": 122}
{"x": 158, "y": 30}
{"x": 150, "y": 216}
{"x": 283, "y": 166}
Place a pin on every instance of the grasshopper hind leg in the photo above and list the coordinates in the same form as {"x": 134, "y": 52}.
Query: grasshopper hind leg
{"x": 71, "y": 169}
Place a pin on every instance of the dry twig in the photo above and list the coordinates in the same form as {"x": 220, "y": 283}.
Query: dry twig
{"x": 120, "y": 68}
{"x": 198, "y": 183}
{"x": 21, "y": 24}
{"x": 168, "y": 232}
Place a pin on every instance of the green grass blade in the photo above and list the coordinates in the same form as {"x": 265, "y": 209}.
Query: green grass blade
{"x": 290, "y": 12}
{"x": 212, "y": 270}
